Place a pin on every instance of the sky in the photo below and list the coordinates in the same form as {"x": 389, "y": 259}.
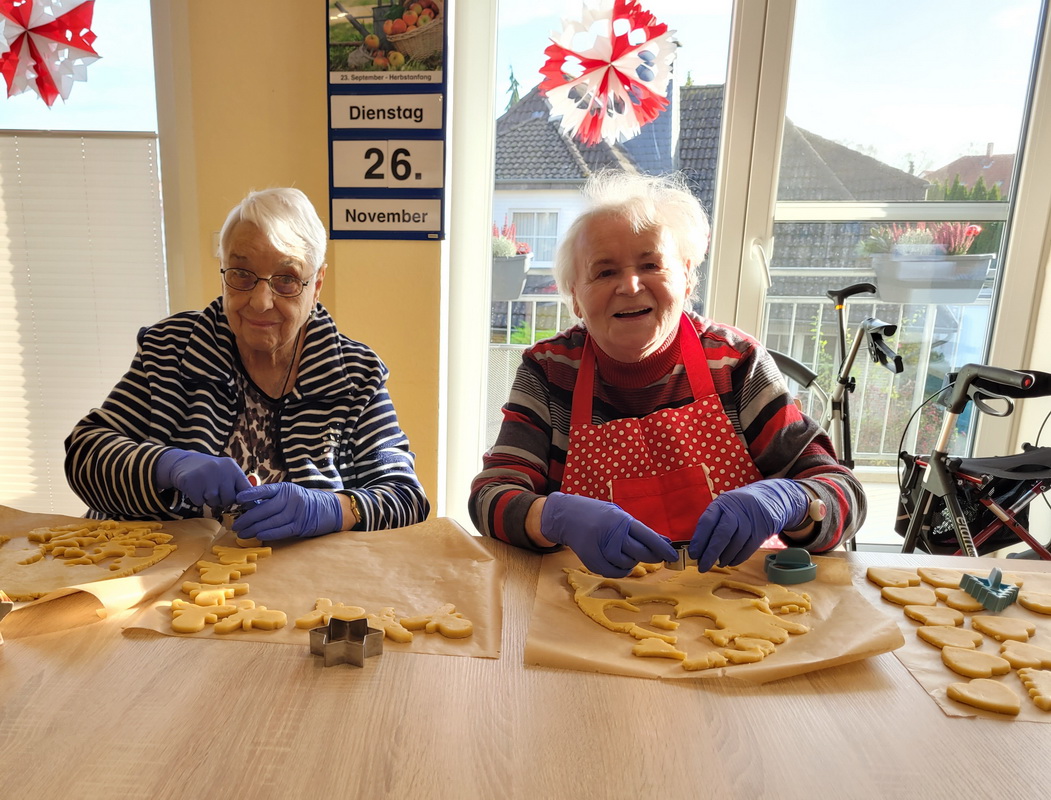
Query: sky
{"x": 906, "y": 81}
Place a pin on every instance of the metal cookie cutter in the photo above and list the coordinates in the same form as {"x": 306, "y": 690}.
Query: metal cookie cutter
{"x": 791, "y": 565}
{"x": 684, "y": 560}
{"x": 990, "y": 592}
{"x": 343, "y": 642}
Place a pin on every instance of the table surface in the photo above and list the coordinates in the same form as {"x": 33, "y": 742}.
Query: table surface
{"x": 97, "y": 712}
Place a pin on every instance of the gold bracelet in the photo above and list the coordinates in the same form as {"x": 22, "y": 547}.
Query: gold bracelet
{"x": 355, "y": 510}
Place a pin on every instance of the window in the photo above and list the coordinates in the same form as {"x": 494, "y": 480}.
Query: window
{"x": 539, "y": 230}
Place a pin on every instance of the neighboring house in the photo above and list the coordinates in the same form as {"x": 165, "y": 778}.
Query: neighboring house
{"x": 993, "y": 169}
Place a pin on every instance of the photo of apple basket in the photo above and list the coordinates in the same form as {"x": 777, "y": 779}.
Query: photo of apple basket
{"x": 418, "y": 44}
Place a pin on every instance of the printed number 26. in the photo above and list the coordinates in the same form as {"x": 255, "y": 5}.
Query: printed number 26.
{"x": 400, "y": 168}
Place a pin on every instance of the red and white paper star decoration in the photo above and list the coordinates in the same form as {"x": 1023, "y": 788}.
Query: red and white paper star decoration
{"x": 45, "y": 45}
{"x": 607, "y": 73}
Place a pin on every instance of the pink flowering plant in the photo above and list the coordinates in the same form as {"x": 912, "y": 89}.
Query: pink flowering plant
{"x": 505, "y": 241}
{"x": 948, "y": 238}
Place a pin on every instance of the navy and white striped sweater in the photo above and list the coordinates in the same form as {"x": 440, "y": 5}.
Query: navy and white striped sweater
{"x": 338, "y": 429}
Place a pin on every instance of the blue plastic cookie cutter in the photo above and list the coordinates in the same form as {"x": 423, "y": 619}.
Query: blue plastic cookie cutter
{"x": 991, "y": 592}
{"x": 791, "y": 565}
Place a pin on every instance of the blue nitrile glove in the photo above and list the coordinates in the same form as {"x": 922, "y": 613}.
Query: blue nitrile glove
{"x": 204, "y": 480}
{"x": 287, "y": 510}
{"x": 738, "y": 521}
{"x": 606, "y": 538}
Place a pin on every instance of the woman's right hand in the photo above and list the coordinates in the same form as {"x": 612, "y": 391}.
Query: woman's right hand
{"x": 204, "y": 480}
{"x": 607, "y": 539}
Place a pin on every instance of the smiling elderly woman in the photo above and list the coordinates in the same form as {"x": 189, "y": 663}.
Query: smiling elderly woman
{"x": 259, "y": 382}
{"x": 649, "y": 424}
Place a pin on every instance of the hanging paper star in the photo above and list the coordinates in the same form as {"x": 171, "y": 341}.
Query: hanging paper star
{"x": 607, "y": 73}
{"x": 45, "y": 45}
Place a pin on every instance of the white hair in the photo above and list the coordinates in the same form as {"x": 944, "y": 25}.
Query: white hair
{"x": 287, "y": 219}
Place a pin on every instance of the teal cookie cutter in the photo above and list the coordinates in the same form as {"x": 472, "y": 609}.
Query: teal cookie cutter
{"x": 991, "y": 592}
{"x": 791, "y": 565}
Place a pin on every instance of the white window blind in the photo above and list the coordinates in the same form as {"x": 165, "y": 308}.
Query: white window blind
{"x": 81, "y": 270}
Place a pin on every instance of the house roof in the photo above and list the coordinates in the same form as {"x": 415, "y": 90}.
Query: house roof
{"x": 995, "y": 169}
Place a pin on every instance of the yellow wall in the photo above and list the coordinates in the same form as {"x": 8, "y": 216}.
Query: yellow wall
{"x": 246, "y": 109}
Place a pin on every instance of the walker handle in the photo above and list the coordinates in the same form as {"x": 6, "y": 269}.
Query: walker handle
{"x": 997, "y": 380}
{"x": 838, "y": 296}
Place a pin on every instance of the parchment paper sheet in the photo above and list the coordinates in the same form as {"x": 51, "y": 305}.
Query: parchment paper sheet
{"x": 415, "y": 569}
{"x": 924, "y": 660}
{"x": 97, "y": 598}
{"x": 844, "y": 627}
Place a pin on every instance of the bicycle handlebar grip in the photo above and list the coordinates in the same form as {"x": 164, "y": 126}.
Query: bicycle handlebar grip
{"x": 997, "y": 376}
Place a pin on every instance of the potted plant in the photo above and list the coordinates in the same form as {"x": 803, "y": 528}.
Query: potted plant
{"x": 510, "y": 263}
{"x": 924, "y": 263}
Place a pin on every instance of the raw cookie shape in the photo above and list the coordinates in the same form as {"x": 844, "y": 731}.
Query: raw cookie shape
{"x": 1023, "y": 654}
{"x": 934, "y": 615}
{"x": 748, "y": 651}
{"x": 1040, "y": 602}
{"x": 656, "y": 648}
{"x": 204, "y": 594}
{"x": 892, "y": 576}
{"x": 663, "y": 621}
{"x": 644, "y": 568}
{"x": 986, "y": 694}
{"x": 214, "y": 574}
{"x": 191, "y": 618}
{"x": 958, "y": 599}
{"x": 940, "y": 577}
{"x": 1001, "y": 628}
{"x": 249, "y": 616}
{"x": 447, "y": 621}
{"x": 240, "y": 555}
{"x": 949, "y": 636}
{"x": 1038, "y": 683}
{"x": 325, "y": 610}
{"x": 974, "y": 663}
{"x": 389, "y": 622}
{"x": 909, "y": 595}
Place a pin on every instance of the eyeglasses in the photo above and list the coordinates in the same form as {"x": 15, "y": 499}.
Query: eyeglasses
{"x": 244, "y": 280}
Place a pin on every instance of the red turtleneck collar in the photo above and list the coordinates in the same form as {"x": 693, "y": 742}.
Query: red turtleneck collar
{"x": 637, "y": 374}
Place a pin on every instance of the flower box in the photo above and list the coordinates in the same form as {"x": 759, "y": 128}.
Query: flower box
{"x": 509, "y": 277}
{"x": 903, "y": 277}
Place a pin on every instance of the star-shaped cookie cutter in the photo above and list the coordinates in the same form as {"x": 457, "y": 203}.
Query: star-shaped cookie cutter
{"x": 346, "y": 642}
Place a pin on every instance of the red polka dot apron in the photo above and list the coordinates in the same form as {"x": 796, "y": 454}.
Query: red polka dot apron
{"x": 665, "y": 468}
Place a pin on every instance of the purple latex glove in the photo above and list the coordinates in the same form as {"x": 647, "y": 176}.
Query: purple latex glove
{"x": 607, "y": 539}
{"x": 287, "y": 510}
{"x": 204, "y": 480}
{"x": 738, "y": 521}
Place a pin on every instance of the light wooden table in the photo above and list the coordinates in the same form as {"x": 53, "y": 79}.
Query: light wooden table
{"x": 93, "y": 712}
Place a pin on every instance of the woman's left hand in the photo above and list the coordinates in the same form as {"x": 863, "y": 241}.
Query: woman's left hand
{"x": 287, "y": 510}
{"x": 738, "y": 521}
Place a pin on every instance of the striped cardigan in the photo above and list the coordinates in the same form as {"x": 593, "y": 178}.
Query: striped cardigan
{"x": 338, "y": 430}
{"x": 529, "y": 456}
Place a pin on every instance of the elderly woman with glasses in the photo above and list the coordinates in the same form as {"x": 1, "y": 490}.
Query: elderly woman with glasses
{"x": 260, "y": 383}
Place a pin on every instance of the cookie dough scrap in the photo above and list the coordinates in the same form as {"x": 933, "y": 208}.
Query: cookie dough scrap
{"x": 986, "y": 694}
{"x": 909, "y": 595}
{"x": 893, "y": 576}
{"x": 447, "y": 621}
{"x": 664, "y": 622}
{"x": 325, "y": 610}
{"x": 241, "y": 554}
{"x": 974, "y": 663}
{"x": 1038, "y": 683}
{"x": 958, "y": 599}
{"x": 1001, "y": 628}
{"x": 248, "y": 616}
{"x": 203, "y": 594}
{"x": 94, "y": 550}
{"x": 934, "y": 615}
{"x": 655, "y": 648}
{"x": 949, "y": 636}
{"x": 1040, "y": 602}
{"x": 643, "y": 568}
{"x": 1023, "y": 654}
{"x": 389, "y": 622}
{"x": 740, "y": 621}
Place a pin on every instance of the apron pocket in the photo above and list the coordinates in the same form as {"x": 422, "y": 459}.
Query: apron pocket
{"x": 669, "y": 504}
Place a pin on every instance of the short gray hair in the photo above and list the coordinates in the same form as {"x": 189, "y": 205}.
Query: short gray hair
{"x": 645, "y": 202}
{"x": 287, "y": 219}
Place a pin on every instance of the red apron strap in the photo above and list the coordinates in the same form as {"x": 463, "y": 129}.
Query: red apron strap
{"x": 694, "y": 360}
{"x": 584, "y": 388}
